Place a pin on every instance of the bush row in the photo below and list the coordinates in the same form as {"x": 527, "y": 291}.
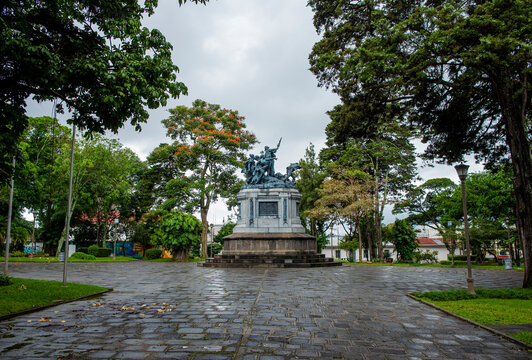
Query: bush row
{"x": 152, "y": 254}
{"x": 83, "y": 256}
{"x": 95, "y": 251}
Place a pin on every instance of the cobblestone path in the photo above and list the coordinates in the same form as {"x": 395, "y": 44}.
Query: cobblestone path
{"x": 181, "y": 311}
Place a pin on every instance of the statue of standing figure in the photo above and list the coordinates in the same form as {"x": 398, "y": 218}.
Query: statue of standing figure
{"x": 260, "y": 170}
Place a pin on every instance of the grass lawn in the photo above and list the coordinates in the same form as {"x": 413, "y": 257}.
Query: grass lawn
{"x": 24, "y": 294}
{"x": 488, "y": 307}
{"x": 70, "y": 259}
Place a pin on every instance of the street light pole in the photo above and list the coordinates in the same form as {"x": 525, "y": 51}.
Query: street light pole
{"x": 69, "y": 205}
{"x": 462, "y": 174}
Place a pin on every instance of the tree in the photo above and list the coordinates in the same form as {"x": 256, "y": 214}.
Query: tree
{"x": 95, "y": 57}
{"x": 403, "y": 237}
{"x": 437, "y": 204}
{"x": 345, "y": 199}
{"x": 210, "y": 145}
{"x": 390, "y": 159}
{"x": 179, "y": 232}
{"x": 308, "y": 181}
{"x": 458, "y": 70}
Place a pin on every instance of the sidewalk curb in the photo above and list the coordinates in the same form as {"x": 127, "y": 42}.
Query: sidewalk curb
{"x": 32, "y": 310}
{"x": 485, "y": 327}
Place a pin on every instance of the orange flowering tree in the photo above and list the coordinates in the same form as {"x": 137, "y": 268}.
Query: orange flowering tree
{"x": 211, "y": 144}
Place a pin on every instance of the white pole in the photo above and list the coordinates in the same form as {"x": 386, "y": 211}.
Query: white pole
{"x": 67, "y": 241}
{"x": 9, "y": 213}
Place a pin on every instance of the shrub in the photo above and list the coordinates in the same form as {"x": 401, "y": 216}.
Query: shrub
{"x": 83, "y": 256}
{"x": 19, "y": 254}
{"x": 456, "y": 262}
{"x": 104, "y": 252}
{"x": 92, "y": 250}
{"x": 461, "y": 257}
{"x": 96, "y": 251}
{"x": 426, "y": 256}
{"x": 5, "y": 280}
{"x": 137, "y": 256}
{"x": 83, "y": 250}
{"x": 152, "y": 254}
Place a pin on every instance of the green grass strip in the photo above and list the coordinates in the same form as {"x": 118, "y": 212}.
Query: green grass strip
{"x": 462, "y": 294}
{"x": 525, "y": 336}
{"x": 25, "y": 294}
{"x": 491, "y": 311}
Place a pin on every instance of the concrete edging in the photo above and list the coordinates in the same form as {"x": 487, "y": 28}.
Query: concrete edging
{"x": 32, "y": 310}
{"x": 485, "y": 327}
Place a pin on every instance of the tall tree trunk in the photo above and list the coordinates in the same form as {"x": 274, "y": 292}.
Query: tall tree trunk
{"x": 517, "y": 140}
{"x": 204, "y": 232}
{"x": 359, "y": 241}
{"x": 180, "y": 254}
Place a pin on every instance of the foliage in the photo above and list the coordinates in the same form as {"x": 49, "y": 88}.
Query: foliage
{"x": 179, "y": 232}
{"x": 83, "y": 250}
{"x": 5, "y": 280}
{"x": 215, "y": 248}
{"x": 456, "y": 262}
{"x": 96, "y": 251}
{"x": 388, "y": 158}
{"x": 344, "y": 199}
{"x": 404, "y": 240}
{"x": 426, "y": 256}
{"x": 225, "y": 230}
{"x": 25, "y": 294}
{"x": 210, "y": 145}
{"x": 92, "y": 250}
{"x": 97, "y": 58}
{"x": 321, "y": 241}
{"x": 82, "y": 256}
{"x": 308, "y": 182}
{"x": 458, "y": 71}
{"x": 152, "y": 254}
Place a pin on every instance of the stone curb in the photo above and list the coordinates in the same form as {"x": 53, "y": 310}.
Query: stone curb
{"x": 496, "y": 332}
{"x": 32, "y": 310}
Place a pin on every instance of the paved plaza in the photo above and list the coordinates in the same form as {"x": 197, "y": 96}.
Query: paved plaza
{"x": 181, "y": 311}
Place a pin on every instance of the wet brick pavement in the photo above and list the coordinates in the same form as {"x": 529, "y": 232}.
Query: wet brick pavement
{"x": 181, "y": 311}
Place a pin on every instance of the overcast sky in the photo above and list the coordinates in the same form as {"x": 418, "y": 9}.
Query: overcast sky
{"x": 250, "y": 56}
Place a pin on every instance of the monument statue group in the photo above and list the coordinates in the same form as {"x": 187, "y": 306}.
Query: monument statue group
{"x": 260, "y": 170}
{"x": 268, "y": 232}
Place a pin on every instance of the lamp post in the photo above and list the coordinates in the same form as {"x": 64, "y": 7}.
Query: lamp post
{"x": 462, "y": 174}
{"x": 35, "y": 212}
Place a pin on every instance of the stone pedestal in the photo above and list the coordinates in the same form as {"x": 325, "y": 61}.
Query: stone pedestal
{"x": 269, "y": 233}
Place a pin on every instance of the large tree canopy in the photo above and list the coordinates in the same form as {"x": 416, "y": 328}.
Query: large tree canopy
{"x": 94, "y": 57}
{"x": 457, "y": 70}
{"x": 210, "y": 145}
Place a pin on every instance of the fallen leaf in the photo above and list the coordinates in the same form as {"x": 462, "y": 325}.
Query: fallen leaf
{"x": 44, "y": 319}
{"x": 29, "y": 320}
{"x": 23, "y": 287}
{"x": 63, "y": 321}
{"x": 56, "y": 311}
{"x": 141, "y": 314}
{"x": 165, "y": 303}
{"x": 96, "y": 304}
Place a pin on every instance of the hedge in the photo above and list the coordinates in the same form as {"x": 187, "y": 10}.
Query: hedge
{"x": 152, "y": 254}
{"x": 461, "y": 257}
{"x": 83, "y": 256}
{"x": 94, "y": 250}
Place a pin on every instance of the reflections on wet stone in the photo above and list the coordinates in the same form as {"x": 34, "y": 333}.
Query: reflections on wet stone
{"x": 171, "y": 310}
